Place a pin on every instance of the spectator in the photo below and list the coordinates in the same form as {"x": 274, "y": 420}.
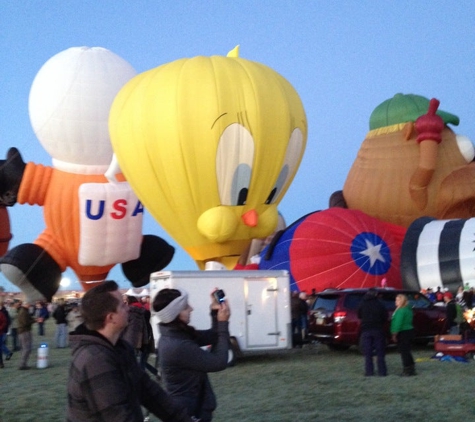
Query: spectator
{"x": 451, "y": 311}
{"x": 430, "y": 295}
{"x": 439, "y": 295}
{"x": 303, "y": 314}
{"x": 60, "y": 314}
{"x": 74, "y": 317}
{"x": 145, "y": 300}
{"x": 138, "y": 332}
{"x": 459, "y": 297}
{"x": 106, "y": 383}
{"x": 41, "y": 315}
{"x": 402, "y": 332}
{"x": 25, "y": 321}
{"x": 297, "y": 310}
{"x": 311, "y": 298}
{"x": 374, "y": 316}
{"x": 184, "y": 364}
{"x": 468, "y": 298}
{"x": 13, "y": 313}
{"x": 3, "y": 333}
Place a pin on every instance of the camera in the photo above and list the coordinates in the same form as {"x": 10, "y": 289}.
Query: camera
{"x": 219, "y": 296}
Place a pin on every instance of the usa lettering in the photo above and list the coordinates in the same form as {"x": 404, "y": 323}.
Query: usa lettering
{"x": 95, "y": 210}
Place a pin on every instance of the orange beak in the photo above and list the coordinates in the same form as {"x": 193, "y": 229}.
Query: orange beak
{"x": 250, "y": 218}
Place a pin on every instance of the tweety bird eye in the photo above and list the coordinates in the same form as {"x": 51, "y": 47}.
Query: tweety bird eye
{"x": 234, "y": 164}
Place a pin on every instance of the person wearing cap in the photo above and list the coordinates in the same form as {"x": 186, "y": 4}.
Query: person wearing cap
{"x": 106, "y": 383}
{"x": 183, "y": 363}
{"x": 451, "y": 311}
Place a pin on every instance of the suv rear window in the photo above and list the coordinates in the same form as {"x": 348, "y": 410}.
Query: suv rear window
{"x": 326, "y": 302}
{"x": 353, "y": 300}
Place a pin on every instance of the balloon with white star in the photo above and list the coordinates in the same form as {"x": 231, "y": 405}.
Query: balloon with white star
{"x": 337, "y": 248}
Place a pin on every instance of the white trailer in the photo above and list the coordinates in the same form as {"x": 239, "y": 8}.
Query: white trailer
{"x": 259, "y": 302}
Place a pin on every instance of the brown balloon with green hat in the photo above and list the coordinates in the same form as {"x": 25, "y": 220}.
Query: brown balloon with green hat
{"x": 412, "y": 164}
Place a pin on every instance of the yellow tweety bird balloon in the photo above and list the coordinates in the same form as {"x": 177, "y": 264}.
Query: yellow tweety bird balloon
{"x": 210, "y": 145}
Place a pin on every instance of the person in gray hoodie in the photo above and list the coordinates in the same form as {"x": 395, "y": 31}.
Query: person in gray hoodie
{"x": 184, "y": 364}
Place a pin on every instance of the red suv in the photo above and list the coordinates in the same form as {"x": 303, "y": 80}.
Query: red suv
{"x": 333, "y": 316}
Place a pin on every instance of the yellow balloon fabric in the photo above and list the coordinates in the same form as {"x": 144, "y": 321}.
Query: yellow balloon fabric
{"x": 210, "y": 145}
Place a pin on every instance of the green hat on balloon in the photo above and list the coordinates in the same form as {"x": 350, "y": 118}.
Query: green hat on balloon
{"x": 404, "y": 108}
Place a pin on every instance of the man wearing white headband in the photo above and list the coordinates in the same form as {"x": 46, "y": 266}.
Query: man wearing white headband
{"x": 183, "y": 363}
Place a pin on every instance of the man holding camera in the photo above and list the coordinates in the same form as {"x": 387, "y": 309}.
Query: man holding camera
{"x": 184, "y": 364}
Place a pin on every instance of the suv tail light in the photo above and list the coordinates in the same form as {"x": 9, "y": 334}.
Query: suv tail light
{"x": 339, "y": 317}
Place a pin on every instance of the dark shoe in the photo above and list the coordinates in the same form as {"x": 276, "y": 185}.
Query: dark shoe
{"x": 9, "y": 356}
{"x": 408, "y": 371}
{"x": 2, "y": 366}
{"x": 24, "y": 368}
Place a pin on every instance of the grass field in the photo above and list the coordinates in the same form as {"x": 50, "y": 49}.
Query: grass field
{"x": 309, "y": 384}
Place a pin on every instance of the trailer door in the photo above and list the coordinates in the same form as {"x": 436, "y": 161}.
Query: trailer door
{"x": 261, "y": 313}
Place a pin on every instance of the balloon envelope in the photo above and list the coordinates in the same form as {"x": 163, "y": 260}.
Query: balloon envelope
{"x": 336, "y": 248}
{"x": 210, "y": 145}
{"x": 69, "y": 103}
{"x": 439, "y": 253}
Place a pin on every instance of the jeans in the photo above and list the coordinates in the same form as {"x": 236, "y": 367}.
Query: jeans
{"x": 404, "y": 339}
{"x": 41, "y": 328}
{"x": 26, "y": 342}
{"x": 297, "y": 332}
{"x": 14, "y": 336}
{"x": 3, "y": 345}
{"x": 61, "y": 335}
{"x": 374, "y": 341}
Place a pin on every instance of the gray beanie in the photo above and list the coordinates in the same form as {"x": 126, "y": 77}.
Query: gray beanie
{"x": 173, "y": 309}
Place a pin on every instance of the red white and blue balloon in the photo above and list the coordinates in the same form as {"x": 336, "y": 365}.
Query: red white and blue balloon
{"x": 336, "y": 248}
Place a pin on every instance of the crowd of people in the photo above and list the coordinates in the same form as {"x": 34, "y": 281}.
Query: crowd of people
{"x": 111, "y": 338}
{"x": 374, "y": 316}
{"x": 17, "y": 319}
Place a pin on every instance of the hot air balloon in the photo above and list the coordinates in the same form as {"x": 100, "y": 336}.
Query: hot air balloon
{"x": 93, "y": 218}
{"x": 439, "y": 253}
{"x": 336, "y": 248}
{"x": 210, "y": 145}
{"x": 412, "y": 164}
{"x": 5, "y": 235}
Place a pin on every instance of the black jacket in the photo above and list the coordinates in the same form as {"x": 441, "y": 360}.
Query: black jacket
{"x": 185, "y": 365}
{"x": 107, "y": 384}
{"x": 372, "y": 313}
